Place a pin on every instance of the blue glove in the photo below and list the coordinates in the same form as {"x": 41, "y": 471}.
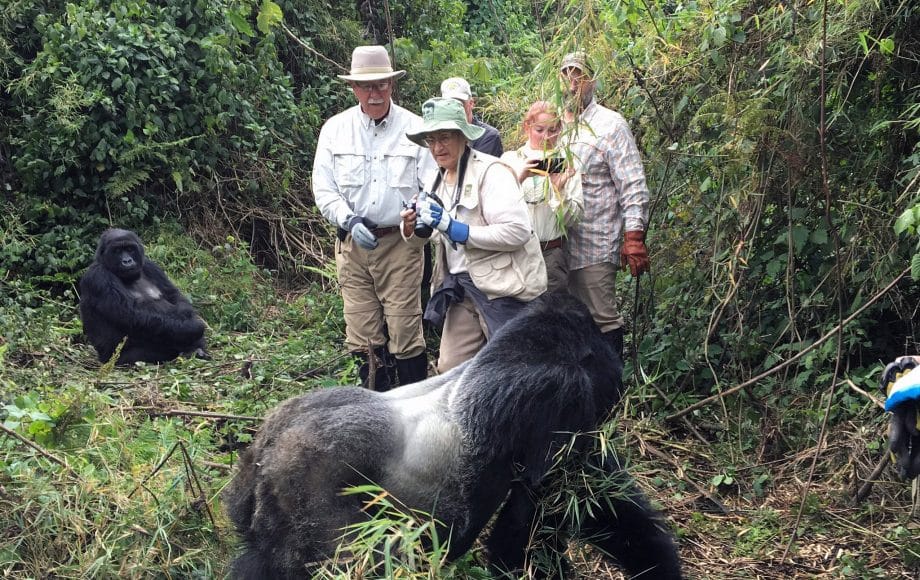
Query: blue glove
{"x": 359, "y": 228}
{"x": 433, "y": 215}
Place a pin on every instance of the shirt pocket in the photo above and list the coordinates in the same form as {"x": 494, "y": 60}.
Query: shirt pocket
{"x": 495, "y": 273}
{"x": 401, "y": 169}
{"x": 348, "y": 170}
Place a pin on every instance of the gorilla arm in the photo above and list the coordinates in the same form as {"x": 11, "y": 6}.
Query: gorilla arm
{"x": 182, "y": 307}
{"x": 112, "y": 303}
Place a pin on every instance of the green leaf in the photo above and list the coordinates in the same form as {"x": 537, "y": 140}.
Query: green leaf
{"x": 481, "y": 71}
{"x": 819, "y": 236}
{"x": 862, "y": 42}
{"x": 799, "y": 236}
{"x": 915, "y": 267}
{"x": 776, "y": 266}
{"x": 240, "y": 23}
{"x": 269, "y": 15}
{"x": 886, "y": 46}
{"x": 177, "y": 179}
{"x": 905, "y": 221}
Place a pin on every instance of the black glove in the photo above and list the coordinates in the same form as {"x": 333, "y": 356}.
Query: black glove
{"x": 360, "y": 230}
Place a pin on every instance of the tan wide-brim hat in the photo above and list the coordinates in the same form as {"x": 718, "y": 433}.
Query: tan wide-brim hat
{"x": 371, "y": 63}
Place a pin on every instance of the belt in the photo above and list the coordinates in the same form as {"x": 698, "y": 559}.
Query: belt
{"x": 380, "y": 232}
{"x": 557, "y": 243}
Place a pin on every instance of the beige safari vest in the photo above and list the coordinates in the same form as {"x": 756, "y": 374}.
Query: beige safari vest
{"x": 519, "y": 274}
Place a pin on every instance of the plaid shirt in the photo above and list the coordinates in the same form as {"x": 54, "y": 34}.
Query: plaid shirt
{"x": 613, "y": 185}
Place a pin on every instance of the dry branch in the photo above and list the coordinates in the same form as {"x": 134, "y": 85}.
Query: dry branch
{"x": 786, "y": 363}
{"x": 154, "y": 411}
{"x": 38, "y": 448}
{"x": 866, "y": 487}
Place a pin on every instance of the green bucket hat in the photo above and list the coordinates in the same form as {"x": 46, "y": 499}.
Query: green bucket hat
{"x": 440, "y": 114}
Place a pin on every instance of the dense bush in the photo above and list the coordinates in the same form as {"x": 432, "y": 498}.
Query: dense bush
{"x": 195, "y": 123}
{"x": 755, "y": 249}
{"x": 126, "y": 105}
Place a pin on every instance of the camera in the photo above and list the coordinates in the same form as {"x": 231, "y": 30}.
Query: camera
{"x": 552, "y": 165}
{"x": 421, "y": 230}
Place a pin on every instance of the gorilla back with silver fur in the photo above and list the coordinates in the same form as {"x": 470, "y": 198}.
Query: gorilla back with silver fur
{"x": 452, "y": 445}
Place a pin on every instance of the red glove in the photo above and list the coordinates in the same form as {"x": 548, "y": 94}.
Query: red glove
{"x": 634, "y": 253}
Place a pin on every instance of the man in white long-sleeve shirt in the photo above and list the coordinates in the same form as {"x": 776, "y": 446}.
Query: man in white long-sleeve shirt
{"x": 364, "y": 169}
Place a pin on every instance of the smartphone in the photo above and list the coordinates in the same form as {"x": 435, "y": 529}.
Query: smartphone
{"x": 552, "y": 165}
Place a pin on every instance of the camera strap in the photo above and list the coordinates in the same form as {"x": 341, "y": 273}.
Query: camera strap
{"x": 461, "y": 172}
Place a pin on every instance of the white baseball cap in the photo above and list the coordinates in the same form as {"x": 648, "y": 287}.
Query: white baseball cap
{"x": 456, "y": 88}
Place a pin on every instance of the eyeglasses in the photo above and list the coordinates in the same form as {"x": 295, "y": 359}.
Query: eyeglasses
{"x": 438, "y": 139}
{"x": 380, "y": 86}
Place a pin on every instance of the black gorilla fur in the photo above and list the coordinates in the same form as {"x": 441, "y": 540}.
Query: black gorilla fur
{"x": 452, "y": 445}
{"x": 124, "y": 294}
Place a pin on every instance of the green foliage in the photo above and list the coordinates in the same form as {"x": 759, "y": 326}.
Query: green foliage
{"x": 909, "y": 222}
{"x": 127, "y": 102}
{"x": 140, "y": 114}
{"x": 131, "y": 502}
{"x": 394, "y": 542}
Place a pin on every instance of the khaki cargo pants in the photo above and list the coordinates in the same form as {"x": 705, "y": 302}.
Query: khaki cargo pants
{"x": 595, "y": 285}
{"x": 380, "y": 286}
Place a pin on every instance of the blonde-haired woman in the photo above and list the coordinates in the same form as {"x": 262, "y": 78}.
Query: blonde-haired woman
{"x": 551, "y": 186}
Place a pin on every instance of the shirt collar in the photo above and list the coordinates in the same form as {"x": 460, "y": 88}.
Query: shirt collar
{"x": 367, "y": 122}
{"x": 589, "y": 111}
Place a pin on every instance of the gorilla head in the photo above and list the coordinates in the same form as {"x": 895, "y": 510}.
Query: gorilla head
{"x": 126, "y": 297}
{"x": 122, "y": 253}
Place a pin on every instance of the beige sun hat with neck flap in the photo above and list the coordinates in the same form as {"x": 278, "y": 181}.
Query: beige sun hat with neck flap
{"x": 440, "y": 114}
{"x": 371, "y": 63}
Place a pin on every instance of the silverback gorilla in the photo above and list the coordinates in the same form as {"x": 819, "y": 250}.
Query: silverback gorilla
{"x": 123, "y": 294}
{"x": 458, "y": 446}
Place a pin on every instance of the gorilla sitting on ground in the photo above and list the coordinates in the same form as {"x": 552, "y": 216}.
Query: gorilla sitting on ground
{"x": 122, "y": 294}
{"x": 456, "y": 446}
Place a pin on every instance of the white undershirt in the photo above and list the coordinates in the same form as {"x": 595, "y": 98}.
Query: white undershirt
{"x": 456, "y": 259}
